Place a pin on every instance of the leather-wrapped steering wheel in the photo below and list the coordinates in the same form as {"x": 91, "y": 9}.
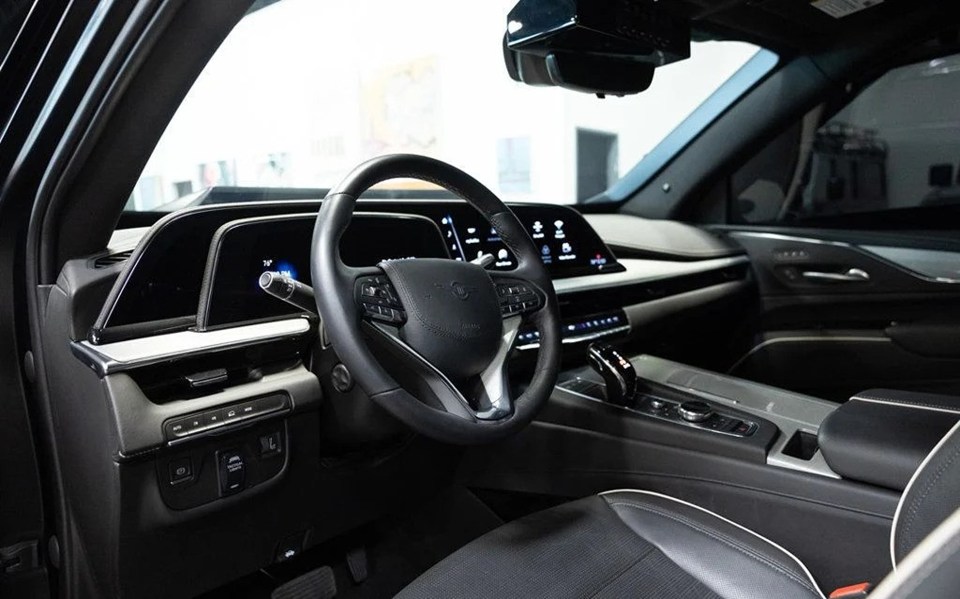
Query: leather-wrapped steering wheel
{"x": 446, "y": 326}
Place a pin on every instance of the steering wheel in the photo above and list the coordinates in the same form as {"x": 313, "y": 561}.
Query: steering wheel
{"x": 446, "y": 326}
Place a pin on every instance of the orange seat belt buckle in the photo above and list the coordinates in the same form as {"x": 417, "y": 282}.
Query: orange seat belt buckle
{"x": 854, "y": 591}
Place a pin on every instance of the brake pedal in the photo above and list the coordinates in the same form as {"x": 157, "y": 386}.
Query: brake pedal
{"x": 316, "y": 584}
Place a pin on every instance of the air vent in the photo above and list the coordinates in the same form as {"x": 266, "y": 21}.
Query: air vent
{"x": 105, "y": 261}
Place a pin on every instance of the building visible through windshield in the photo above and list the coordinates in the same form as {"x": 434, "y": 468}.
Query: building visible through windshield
{"x": 288, "y": 101}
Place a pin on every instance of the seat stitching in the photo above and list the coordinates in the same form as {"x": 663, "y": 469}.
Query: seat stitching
{"x": 725, "y": 540}
{"x": 927, "y": 489}
{"x": 907, "y": 402}
{"x": 929, "y": 568}
{"x": 623, "y": 571}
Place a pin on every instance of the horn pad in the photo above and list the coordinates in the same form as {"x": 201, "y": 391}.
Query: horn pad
{"x": 453, "y": 314}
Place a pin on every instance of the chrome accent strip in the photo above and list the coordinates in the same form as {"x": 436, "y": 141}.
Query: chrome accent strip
{"x": 869, "y": 251}
{"x": 907, "y": 406}
{"x": 792, "y": 238}
{"x": 124, "y": 355}
{"x": 942, "y": 266}
{"x": 643, "y": 271}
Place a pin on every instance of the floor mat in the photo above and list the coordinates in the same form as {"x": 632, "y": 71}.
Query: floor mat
{"x": 398, "y": 549}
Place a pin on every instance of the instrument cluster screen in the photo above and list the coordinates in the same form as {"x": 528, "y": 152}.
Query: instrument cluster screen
{"x": 243, "y": 250}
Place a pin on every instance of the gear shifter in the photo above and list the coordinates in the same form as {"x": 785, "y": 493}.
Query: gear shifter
{"x": 618, "y": 374}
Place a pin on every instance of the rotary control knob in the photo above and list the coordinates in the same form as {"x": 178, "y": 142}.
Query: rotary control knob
{"x": 695, "y": 411}
{"x": 656, "y": 404}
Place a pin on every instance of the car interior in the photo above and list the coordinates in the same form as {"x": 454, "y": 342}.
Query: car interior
{"x": 387, "y": 360}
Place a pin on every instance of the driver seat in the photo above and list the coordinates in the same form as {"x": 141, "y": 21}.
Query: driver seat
{"x": 643, "y": 544}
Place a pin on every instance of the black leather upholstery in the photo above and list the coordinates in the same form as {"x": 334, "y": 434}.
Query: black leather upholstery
{"x": 881, "y": 436}
{"x": 641, "y": 544}
{"x": 932, "y": 495}
{"x": 620, "y": 544}
{"x": 931, "y": 571}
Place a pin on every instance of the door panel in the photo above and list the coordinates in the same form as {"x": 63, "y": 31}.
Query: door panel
{"x": 839, "y": 317}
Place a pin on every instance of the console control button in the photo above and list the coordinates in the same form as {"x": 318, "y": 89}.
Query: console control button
{"x": 181, "y": 470}
{"x": 184, "y": 426}
{"x": 232, "y": 472}
{"x": 271, "y": 444}
{"x": 656, "y": 403}
{"x": 695, "y": 411}
{"x": 213, "y": 417}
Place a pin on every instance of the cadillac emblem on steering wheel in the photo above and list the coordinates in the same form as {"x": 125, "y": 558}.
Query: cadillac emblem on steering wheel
{"x": 459, "y": 291}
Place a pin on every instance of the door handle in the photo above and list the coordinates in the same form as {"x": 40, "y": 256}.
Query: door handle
{"x": 853, "y": 275}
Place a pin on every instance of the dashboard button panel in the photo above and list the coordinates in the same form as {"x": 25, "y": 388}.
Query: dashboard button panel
{"x": 185, "y": 427}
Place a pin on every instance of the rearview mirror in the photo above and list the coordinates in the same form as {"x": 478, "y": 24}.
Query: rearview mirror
{"x": 601, "y": 47}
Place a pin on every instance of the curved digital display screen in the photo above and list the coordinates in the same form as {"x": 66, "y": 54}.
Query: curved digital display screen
{"x": 567, "y": 245}
{"x": 153, "y": 290}
{"x": 242, "y": 250}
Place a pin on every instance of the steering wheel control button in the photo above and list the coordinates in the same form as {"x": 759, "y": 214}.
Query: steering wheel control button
{"x": 233, "y": 472}
{"x": 379, "y": 300}
{"x": 695, "y": 411}
{"x": 516, "y": 298}
{"x": 181, "y": 470}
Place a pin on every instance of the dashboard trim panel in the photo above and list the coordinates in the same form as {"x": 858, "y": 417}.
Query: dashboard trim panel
{"x": 134, "y": 353}
{"x": 643, "y": 271}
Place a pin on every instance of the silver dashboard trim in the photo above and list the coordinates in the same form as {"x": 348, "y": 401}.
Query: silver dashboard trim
{"x": 790, "y": 412}
{"x": 643, "y": 271}
{"x": 114, "y": 357}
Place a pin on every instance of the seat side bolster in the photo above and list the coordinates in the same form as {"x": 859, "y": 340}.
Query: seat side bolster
{"x": 731, "y": 560}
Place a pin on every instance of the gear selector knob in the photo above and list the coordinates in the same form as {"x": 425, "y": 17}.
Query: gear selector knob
{"x": 618, "y": 374}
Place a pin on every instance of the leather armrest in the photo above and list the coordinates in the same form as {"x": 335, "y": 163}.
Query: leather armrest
{"x": 881, "y": 436}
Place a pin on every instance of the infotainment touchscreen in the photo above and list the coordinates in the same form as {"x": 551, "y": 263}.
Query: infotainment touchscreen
{"x": 242, "y": 250}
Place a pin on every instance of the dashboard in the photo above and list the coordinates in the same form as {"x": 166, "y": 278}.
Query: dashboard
{"x": 197, "y": 269}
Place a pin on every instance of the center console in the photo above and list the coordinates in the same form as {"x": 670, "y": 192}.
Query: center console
{"x": 781, "y": 424}
{"x": 801, "y": 471}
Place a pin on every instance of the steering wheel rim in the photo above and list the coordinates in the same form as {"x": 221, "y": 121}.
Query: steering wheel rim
{"x": 350, "y": 332}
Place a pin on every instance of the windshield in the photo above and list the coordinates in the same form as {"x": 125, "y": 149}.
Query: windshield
{"x": 302, "y": 91}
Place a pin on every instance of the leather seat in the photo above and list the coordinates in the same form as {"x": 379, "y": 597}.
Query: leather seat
{"x": 643, "y": 544}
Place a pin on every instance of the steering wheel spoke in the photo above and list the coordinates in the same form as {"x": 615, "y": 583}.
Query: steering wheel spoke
{"x": 441, "y": 389}
{"x": 493, "y": 399}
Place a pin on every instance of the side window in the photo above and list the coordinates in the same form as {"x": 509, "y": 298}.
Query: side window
{"x": 895, "y": 145}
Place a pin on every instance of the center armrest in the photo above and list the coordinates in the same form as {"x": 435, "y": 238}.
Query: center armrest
{"x": 881, "y": 436}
